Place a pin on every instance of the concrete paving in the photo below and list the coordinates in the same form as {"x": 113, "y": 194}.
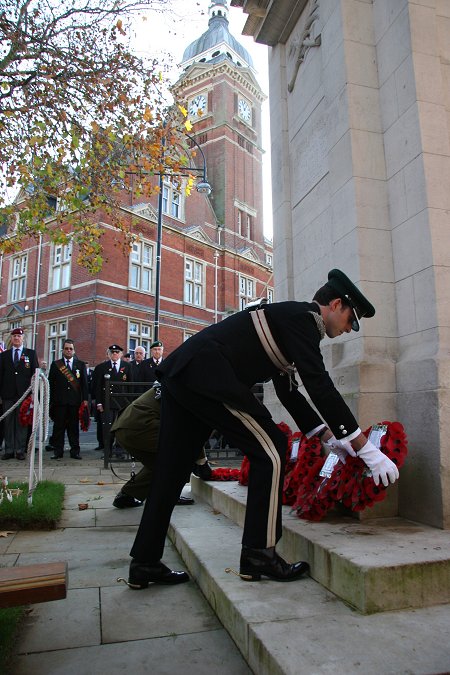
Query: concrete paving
{"x": 217, "y": 622}
{"x": 102, "y": 626}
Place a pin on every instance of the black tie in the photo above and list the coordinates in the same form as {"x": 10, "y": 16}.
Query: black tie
{"x": 68, "y": 364}
{"x": 115, "y": 367}
{"x": 16, "y": 357}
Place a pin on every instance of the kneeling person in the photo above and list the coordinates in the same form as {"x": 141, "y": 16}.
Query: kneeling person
{"x": 136, "y": 430}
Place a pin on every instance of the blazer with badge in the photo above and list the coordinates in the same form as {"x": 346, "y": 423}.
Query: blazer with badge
{"x": 151, "y": 364}
{"x": 70, "y": 389}
{"x": 15, "y": 379}
{"x": 123, "y": 374}
{"x": 234, "y": 358}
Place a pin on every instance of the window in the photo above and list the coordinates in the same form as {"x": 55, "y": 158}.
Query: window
{"x": 141, "y": 266}
{"x": 244, "y": 224}
{"x": 139, "y": 334}
{"x": 269, "y": 259}
{"x": 270, "y": 295}
{"x": 60, "y": 267}
{"x": 19, "y": 264}
{"x": 57, "y": 333}
{"x": 246, "y": 291}
{"x": 193, "y": 282}
{"x": 172, "y": 199}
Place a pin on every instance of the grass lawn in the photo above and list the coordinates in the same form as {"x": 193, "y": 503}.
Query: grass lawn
{"x": 44, "y": 514}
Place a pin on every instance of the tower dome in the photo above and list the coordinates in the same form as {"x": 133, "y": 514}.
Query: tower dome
{"x": 217, "y": 42}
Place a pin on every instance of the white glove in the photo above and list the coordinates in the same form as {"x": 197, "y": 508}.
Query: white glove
{"x": 340, "y": 448}
{"x": 380, "y": 465}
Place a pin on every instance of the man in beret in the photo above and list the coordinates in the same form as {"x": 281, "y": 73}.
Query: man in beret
{"x": 207, "y": 383}
{"x": 17, "y": 367}
{"x": 156, "y": 357}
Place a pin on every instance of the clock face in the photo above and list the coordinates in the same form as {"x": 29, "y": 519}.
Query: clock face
{"x": 198, "y": 105}
{"x": 245, "y": 112}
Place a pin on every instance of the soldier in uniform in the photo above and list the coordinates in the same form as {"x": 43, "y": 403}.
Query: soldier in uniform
{"x": 17, "y": 367}
{"x": 207, "y": 383}
{"x": 68, "y": 389}
{"x": 136, "y": 429}
{"x": 119, "y": 371}
{"x": 156, "y": 357}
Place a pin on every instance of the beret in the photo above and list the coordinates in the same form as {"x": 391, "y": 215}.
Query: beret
{"x": 115, "y": 347}
{"x": 157, "y": 343}
{"x": 17, "y": 331}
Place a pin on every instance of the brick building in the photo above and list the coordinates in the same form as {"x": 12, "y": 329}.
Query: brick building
{"x": 214, "y": 254}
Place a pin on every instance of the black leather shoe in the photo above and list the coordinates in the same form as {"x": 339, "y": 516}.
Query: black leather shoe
{"x": 75, "y": 456}
{"x": 20, "y": 455}
{"x": 185, "y": 501}
{"x": 99, "y": 447}
{"x": 56, "y": 457}
{"x": 124, "y": 501}
{"x": 258, "y": 562}
{"x": 50, "y": 448}
{"x": 203, "y": 471}
{"x": 143, "y": 574}
{"x": 10, "y": 455}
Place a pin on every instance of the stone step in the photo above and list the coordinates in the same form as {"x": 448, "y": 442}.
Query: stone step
{"x": 298, "y": 627}
{"x": 375, "y": 565}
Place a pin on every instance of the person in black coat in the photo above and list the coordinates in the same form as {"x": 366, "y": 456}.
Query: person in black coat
{"x": 17, "y": 367}
{"x": 207, "y": 384}
{"x": 119, "y": 371}
{"x": 68, "y": 390}
{"x": 141, "y": 370}
{"x": 156, "y": 358}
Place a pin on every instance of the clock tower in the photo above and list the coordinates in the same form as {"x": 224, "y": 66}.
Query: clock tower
{"x": 223, "y": 99}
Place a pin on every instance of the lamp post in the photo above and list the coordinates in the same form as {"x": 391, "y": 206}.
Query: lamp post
{"x": 203, "y": 187}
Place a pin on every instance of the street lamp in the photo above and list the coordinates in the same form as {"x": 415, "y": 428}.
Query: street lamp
{"x": 203, "y": 187}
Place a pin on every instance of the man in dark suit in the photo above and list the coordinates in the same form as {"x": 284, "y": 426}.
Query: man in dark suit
{"x": 156, "y": 358}
{"x": 207, "y": 383}
{"x": 68, "y": 389}
{"x": 141, "y": 370}
{"x": 17, "y": 367}
{"x": 119, "y": 371}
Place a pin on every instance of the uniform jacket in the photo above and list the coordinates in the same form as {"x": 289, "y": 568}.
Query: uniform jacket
{"x": 15, "y": 380}
{"x": 62, "y": 392}
{"x": 226, "y": 359}
{"x": 105, "y": 368}
{"x": 152, "y": 367}
{"x": 141, "y": 421}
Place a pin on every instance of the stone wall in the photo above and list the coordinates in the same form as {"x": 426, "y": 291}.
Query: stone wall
{"x": 360, "y": 123}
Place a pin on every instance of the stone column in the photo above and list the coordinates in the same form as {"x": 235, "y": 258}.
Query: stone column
{"x": 360, "y": 113}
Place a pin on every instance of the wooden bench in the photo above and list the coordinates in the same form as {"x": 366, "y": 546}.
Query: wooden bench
{"x": 33, "y": 583}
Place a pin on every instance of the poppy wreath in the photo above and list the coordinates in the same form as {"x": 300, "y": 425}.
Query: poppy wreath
{"x": 349, "y": 484}
{"x": 83, "y": 416}
{"x": 26, "y": 412}
{"x": 225, "y": 474}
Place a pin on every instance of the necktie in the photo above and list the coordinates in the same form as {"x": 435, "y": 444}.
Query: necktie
{"x": 16, "y": 357}
{"x": 115, "y": 367}
{"x": 68, "y": 364}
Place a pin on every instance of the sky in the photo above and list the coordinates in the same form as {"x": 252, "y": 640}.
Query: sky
{"x": 167, "y": 35}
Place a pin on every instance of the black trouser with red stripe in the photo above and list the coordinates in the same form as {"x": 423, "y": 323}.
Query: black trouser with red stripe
{"x": 187, "y": 419}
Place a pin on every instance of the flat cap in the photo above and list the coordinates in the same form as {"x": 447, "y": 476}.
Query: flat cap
{"x": 157, "y": 343}
{"x": 17, "y": 331}
{"x": 116, "y": 348}
{"x": 348, "y": 292}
